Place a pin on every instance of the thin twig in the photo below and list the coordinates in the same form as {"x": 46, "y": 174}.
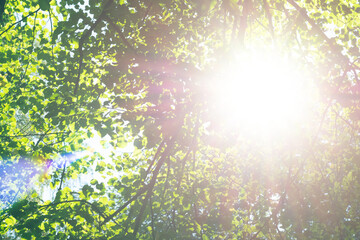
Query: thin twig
{"x": 29, "y": 135}
{"x": 184, "y": 160}
{"x": 62, "y": 176}
{"x": 140, "y": 192}
{"x": 313, "y": 140}
{"x": 268, "y": 15}
{"x": 331, "y": 42}
{"x": 32, "y": 49}
{"x": 151, "y": 185}
{"x": 75, "y": 201}
{"x": 147, "y": 11}
{"x": 192, "y": 149}
{"x": 163, "y": 193}
{"x": 152, "y": 220}
{"x": 346, "y": 121}
{"x": 18, "y": 22}
{"x": 14, "y": 198}
{"x": 51, "y": 29}
{"x": 154, "y": 159}
{"x": 42, "y": 137}
{"x": 243, "y": 22}
{"x": 235, "y": 26}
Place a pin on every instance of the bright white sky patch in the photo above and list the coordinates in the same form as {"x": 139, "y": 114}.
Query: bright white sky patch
{"x": 263, "y": 93}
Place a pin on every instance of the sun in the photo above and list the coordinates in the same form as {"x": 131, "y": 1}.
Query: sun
{"x": 260, "y": 93}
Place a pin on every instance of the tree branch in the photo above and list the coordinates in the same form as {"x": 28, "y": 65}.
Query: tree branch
{"x": 268, "y": 15}
{"x": 235, "y": 23}
{"x": 243, "y": 22}
{"x": 29, "y": 135}
{"x": 62, "y": 176}
{"x": 154, "y": 159}
{"x": 32, "y": 48}
{"x": 141, "y": 191}
{"x": 42, "y": 137}
{"x": 18, "y": 22}
{"x": 335, "y": 48}
{"x": 147, "y": 11}
{"x": 152, "y": 220}
{"x": 76, "y": 201}
{"x": 151, "y": 185}
{"x": 52, "y": 33}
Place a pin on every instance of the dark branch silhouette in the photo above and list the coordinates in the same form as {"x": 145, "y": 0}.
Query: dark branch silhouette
{"x": 18, "y": 22}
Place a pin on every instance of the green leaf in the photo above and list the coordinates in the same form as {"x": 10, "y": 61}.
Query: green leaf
{"x": 44, "y": 5}
{"x": 93, "y": 182}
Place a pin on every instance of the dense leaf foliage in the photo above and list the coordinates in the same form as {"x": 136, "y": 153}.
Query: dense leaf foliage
{"x": 140, "y": 75}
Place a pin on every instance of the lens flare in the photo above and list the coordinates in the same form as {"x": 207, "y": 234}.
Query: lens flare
{"x": 21, "y": 176}
{"x": 260, "y": 93}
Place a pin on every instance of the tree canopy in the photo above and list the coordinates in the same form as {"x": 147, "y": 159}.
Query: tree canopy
{"x": 219, "y": 119}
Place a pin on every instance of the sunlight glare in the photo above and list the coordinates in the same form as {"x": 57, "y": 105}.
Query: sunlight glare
{"x": 260, "y": 93}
